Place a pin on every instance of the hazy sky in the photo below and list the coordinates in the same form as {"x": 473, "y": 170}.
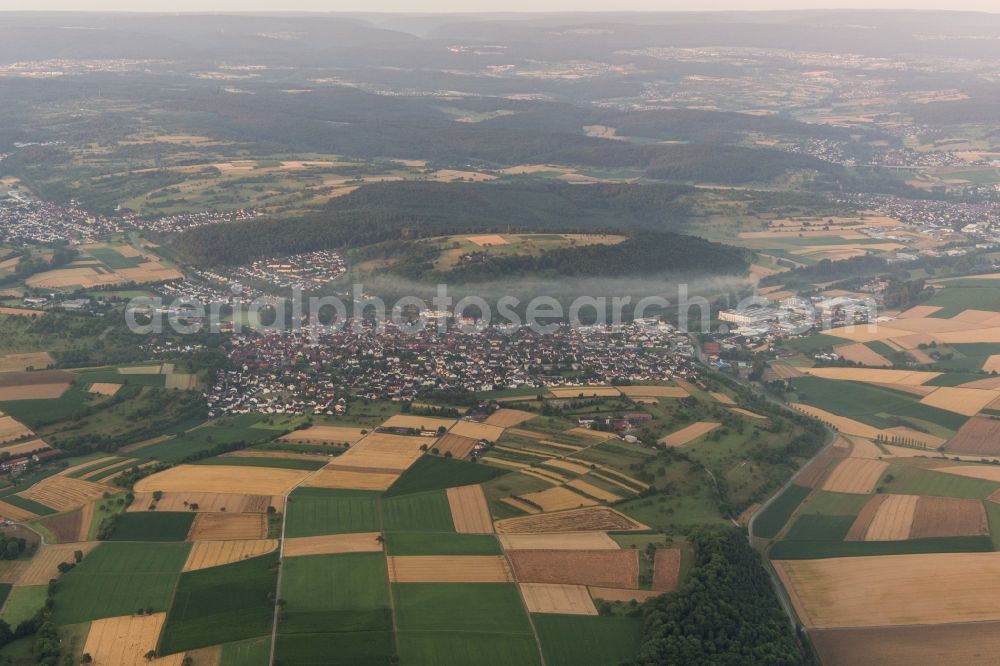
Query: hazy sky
{"x": 483, "y": 5}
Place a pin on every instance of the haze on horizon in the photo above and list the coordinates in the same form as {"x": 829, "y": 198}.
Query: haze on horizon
{"x": 458, "y": 6}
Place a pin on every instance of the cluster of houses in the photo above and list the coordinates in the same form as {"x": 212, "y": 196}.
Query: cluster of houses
{"x": 298, "y": 372}
{"x": 25, "y": 220}
{"x": 310, "y": 271}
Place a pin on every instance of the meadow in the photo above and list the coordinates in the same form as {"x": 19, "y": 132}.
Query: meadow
{"x": 119, "y": 579}
{"x": 221, "y": 605}
{"x": 315, "y": 511}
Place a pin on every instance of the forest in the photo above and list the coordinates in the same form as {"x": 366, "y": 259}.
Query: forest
{"x": 645, "y": 253}
{"x": 407, "y": 210}
{"x": 726, "y": 612}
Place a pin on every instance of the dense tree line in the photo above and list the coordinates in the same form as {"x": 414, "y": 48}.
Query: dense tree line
{"x": 725, "y": 613}
{"x": 409, "y": 210}
{"x": 645, "y": 253}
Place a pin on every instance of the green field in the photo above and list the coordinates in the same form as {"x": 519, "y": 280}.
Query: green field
{"x": 253, "y": 652}
{"x": 460, "y": 607}
{"x": 580, "y": 640}
{"x": 23, "y": 602}
{"x": 436, "y": 473}
{"x": 465, "y": 648}
{"x": 873, "y": 405}
{"x": 369, "y": 648}
{"x": 314, "y": 511}
{"x": 335, "y": 593}
{"x": 114, "y": 260}
{"x": 908, "y": 480}
{"x": 119, "y": 579}
{"x": 221, "y": 604}
{"x": 415, "y": 543}
{"x": 813, "y": 527}
{"x": 230, "y": 430}
{"x": 422, "y": 512}
{"x": 30, "y": 505}
{"x": 954, "y": 300}
{"x": 774, "y": 517}
{"x": 153, "y": 526}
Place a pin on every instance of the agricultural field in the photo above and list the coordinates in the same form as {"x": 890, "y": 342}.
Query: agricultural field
{"x": 388, "y": 545}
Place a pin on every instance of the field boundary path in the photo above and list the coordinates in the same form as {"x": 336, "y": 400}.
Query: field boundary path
{"x": 281, "y": 570}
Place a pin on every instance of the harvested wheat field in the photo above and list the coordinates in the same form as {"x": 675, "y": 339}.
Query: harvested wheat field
{"x": 21, "y": 362}
{"x": 20, "y": 312}
{"x": 223, "y": 479}
{"x": 469, "y": 510}
{"x": 987, "y": 383}
{"x": 505, "y": 418}
{"x": 919, "y": 312}
{"x": 207, "y": 502}
{"x": 564, "y": 541}
{"x": 590, "y": 519}
{"x": 971, "y": 644}
{"x": 992, "y": 364}
{"x": 594, "y": 435}
{"x": 653, "y": 391}
{"x": 894, "y": 589}
{"x": 104, "y": 388}
{"x": 990, "y": 473}
{"x": 12, "y": 570}
{"x": 689, "y": 434}
{"x": 383, "y": 452}
{"x": 333, "y": 544}
{"x": 545, "y": 475}
{"x": 449, "y": 569}
{"x": 520, "y": 505}
{"x": 15, "y": 513}
{"x": 859, "y": 353}
{"x": 459, "y": 447}
{"x": 325, "y": 435}
{"x": 33, "y": 392}
{"x": 11, "y": 429}
{"x": 554, "y": 598}
{"x": 557, "y": 499}
{"x": 620, "y": 594}
{"x": 351, "y": 479}
{"x": 666, "y": 569}
{"x": 591, "y": 490}
{"x": 490, "y": 239}
{"x": 979, "y": 435}
{"x": 859, "y": 528}
{"x": 418, "y": 422}
{"x": 893, "y": 519}
{"x": 840, "y": 423}
{"x": 228, "y": 526}
{"x": 602, "y": 568}
{"x": 722, "y": 397}
{"x": 585, "y": 391}
{"x": 477, "y": 430}
{"x": 855, "y": 475}
{"x": 63, "y": 493}
{"x": 948, "y": 517}
{"x": 865, "y": 448}
{"x": 873, "y": 375}
{"x": 569, "y": 466}
{"x": 748, "y": 413}
{"x": 965, "y": 401}
{"x": 44, "y": 565}
{"x": 125, "y": 641}
{"x": 205, "y": 554}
